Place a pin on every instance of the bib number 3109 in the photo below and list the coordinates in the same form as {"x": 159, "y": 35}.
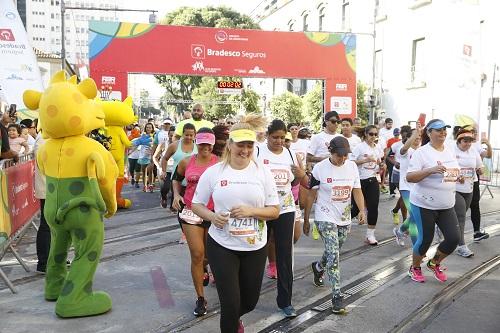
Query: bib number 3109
{"x": 244, "y": 227}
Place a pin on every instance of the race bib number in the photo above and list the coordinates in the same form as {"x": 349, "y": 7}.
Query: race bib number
{"x": 468, "y": 172}
{"x": 341, "y": 193}
{"x": 451, "y": 175}
{"x": 189, "y": 217}
{"x": 281, "y": 176}
{"x": 244, "y": 227}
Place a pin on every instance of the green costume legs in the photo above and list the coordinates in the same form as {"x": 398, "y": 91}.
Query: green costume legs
{"x": 77, "y": 299}
{"x": 56, "y": 263}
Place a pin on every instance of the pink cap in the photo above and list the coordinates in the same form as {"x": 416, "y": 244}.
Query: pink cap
{"x": 208, "y": 138}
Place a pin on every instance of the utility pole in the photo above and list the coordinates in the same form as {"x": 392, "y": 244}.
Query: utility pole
{"x": 152, "y": 19}
{"x": 492, "y": 99}
{"x": 371, "y": 116}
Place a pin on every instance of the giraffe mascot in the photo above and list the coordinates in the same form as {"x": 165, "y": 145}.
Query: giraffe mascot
{"x": 81, "y": 183}
{"x": 117, "y": 115}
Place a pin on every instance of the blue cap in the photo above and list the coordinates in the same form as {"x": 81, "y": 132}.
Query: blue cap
{"x": 396, "y": 131}
{"x": 437, "y": 125}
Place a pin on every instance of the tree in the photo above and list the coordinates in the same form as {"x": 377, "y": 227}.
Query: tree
{"x": 250, "y": 100}
{"x": 182, "y": 86}
{"x": 313, "y": 107}
{"x": 287, "y": 107}
{"x": 361, "y": 107}
{"x": 207, "y": 92}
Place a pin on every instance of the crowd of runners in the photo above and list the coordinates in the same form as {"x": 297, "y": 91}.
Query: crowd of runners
{"x": 244, "y": 191}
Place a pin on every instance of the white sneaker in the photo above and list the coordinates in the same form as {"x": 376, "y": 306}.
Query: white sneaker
{"x": 371, "y": 240}
{"x": 464, "y": 251}
{"x": 399, "y": 236}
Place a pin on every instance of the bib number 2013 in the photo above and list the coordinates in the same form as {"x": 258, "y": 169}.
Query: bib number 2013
{"x": 244, "y": 227}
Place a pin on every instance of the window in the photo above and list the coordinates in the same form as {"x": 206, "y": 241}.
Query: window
{"x": 417, "y": 61}
{"x": 68, "y": 30}
{"x": 77, "y": 42}
{"x": 346, "y": 25}
{"x": 52, "y": 28}
{"x": 321, "y": 18}
{"x": 77, "y": 30}
{"x": 305, "y": 25}
{"x": 52, "y": 15}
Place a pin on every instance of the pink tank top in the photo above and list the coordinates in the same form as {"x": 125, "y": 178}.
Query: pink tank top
{"x": 192, "y": 175}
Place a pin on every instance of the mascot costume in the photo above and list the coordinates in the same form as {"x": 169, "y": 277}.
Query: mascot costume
{"x": 118, "y": 115}
{"x": 81, "y": 183}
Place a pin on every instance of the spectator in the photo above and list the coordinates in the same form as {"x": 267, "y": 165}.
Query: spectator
{"x": 5, "y": 151}
{"x": 16, "y": 142}
{"x": 187, "y": 115}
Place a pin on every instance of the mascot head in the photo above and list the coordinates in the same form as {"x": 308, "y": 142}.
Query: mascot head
{"x": 65, "y": 107}
{"x": 118, "y": 113}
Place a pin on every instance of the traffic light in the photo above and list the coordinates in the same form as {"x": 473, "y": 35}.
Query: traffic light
{"x": 493, "y": 108}
{"x": 372, "y": 101}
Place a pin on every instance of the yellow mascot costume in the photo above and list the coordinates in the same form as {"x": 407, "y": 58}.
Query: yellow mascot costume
{"x": 117, "y": 115}
{"x": 81, "y": 181}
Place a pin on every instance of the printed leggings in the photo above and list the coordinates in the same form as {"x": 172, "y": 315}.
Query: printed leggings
{"x": 446, "y": 220}
{"x": 408, "y": 225}
{"x": 333, "y": 237}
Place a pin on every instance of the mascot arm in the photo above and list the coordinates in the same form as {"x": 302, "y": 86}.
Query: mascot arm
{"x": 123, "y": 138}
{"x": 106, "y": 172}
{"x": 39, "y": 160}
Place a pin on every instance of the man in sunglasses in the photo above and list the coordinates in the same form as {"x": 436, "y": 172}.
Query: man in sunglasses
{"x": 197, "y": 120}
{"x": 318, "y": 149}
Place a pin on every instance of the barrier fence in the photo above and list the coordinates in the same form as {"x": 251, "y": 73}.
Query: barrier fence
{"x": 491, "y": 174}
{"x": 18, "y": 208}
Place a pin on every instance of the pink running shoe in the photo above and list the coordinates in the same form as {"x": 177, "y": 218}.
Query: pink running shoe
{"x": 416, "y": 274}
{"x": 271, "y": 270}
{"x": 438, "y": 272}
{"x": 241, "y": 328}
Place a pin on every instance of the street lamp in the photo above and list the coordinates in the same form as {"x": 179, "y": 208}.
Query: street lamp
{"x": 152, "y": 19}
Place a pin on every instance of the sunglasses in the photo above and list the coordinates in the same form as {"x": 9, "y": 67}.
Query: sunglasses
{"x": 372, "y": 134}
{"x": 196, "y": 109}
{"x": 335, "y": 121}
{"x": 230, "y": 122}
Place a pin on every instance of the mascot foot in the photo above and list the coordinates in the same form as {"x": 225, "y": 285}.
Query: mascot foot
{"x": 123, "y": 203}
{"x": 97, "y": 303}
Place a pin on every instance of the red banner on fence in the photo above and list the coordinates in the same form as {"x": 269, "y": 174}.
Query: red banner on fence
{"x": 21, "y": 195}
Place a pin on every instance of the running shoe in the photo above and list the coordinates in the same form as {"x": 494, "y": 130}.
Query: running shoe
{"x": 132, "y": 181}
{"x": 480, "y": 235}
{"x": 464, "y": 251}
{"x": 271, "y": 271}
{"x": 338, "y": 305}
{"x": 163, "y": 203}
{"x": 151, "y": 188}
{"x": 371, "y": 240}
{"x": 206, "y": 277}
{"x": 315, "y": 232}
{"x": 395, "y": 218}
{"x": 201, "y": 307}
{"x": 416, "y": 275}
{"x": 182, "y": 240}
{"x": 289, "y": 312}
{"x": 136, "y": 185}
{"x": 144, "y": 188}
{"x": 384, "y": 190}
{"x": 241, "y": 328}
{"x": 438, "y": 272}
{"x": 400, "y": 237}
{"x": 317, "y": 275}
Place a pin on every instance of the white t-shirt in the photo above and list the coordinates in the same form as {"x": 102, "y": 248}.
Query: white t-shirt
{"x": 436, "y": 191}
{"x": 369, "y": 169}
{"x": 353, "y": 140}
{"x": 404, "y": 162}
{"x": 334, "y": 186}
{"x": 384, "y": 135}
{"x": 133, "y": 152}
{"x": 300, "y": 148}
{"x": 395, "y": 147}
{"x": 253, "y": 186}
{"x": 468, "y": 161}
{"x": 319, "y": 144}
{"x": 280, "y": 166}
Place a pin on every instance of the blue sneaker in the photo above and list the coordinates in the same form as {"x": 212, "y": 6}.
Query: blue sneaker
{"x": 289, "y": 312}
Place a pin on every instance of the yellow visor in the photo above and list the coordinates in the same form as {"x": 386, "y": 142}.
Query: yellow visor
{"x": 288, "y": 136}
{"x": 243, "y": 135}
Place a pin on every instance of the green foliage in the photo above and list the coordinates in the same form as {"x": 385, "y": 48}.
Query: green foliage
{"x": 250, "y": 100}
{"x": 182, "y": 86}
{"x": 287, "y": 107}
{"x": 361, "y": 107}
{"x": 313, "y": 107}
{"x": 207, "y": 92}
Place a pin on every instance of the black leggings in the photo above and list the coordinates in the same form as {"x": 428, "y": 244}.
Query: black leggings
{"x": 283, "y": 238}
{"x": 371, "y": 193}
{"x": 239, "y": 279}
{"x": 475, "y": 212}
{"x": 425, "y": 219}
{"x": 133, "y": 166}
{"x": 165, "y": 187}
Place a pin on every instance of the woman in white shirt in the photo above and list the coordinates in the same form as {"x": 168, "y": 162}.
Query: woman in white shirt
{"x": 470, "y": 164}
{"x": 335, "y": 181}
{"x": 245, "y": 196}
{"x": 434, "y": 171}
{"x": 369, "y": 159}
{"x": 287, "y": 172}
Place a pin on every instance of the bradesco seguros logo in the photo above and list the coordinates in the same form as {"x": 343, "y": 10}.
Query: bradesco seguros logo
{"x": 6, "y": 35}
